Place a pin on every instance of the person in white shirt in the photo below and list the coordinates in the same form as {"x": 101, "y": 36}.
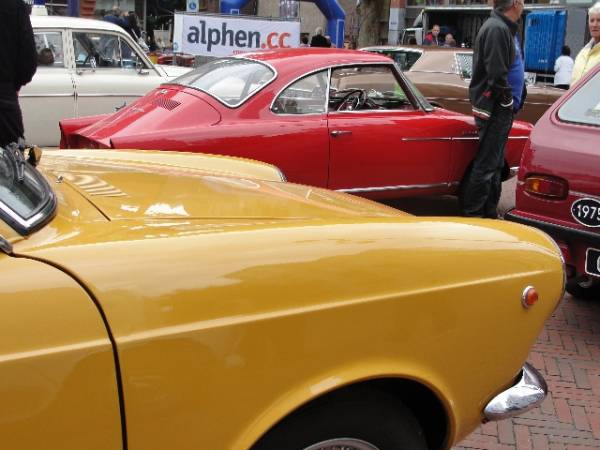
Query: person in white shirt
{"x": 563, "y": 67}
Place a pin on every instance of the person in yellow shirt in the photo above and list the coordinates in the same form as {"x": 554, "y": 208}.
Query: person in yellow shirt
{"x": 589, "y": 56}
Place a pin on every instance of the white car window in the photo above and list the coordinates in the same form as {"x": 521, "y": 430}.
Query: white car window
{"x": 305, "y": 96}
{"x": 102, "y": 50}
{"x": 49, "y": 47}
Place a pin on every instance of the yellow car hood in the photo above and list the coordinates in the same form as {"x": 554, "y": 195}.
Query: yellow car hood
{"x": 165, "y": 185}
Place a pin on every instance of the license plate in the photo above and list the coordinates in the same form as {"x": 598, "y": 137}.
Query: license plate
{"x": 586, "y": 211}
{"x": 592, "y": 261}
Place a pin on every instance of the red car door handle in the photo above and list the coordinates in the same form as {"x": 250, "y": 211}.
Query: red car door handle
{"x": 336, "y": 133}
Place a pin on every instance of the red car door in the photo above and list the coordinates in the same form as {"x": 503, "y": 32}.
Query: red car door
{"x": 292, "y": 134}
{"x": 381, "y": 142}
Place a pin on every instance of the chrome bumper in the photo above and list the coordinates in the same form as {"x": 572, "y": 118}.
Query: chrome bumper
{"x": 527, "y": 393}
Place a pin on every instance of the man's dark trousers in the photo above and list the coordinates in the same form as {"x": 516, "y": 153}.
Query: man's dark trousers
{"x": 11, "y": 121}
{"x": 480, "y": 193}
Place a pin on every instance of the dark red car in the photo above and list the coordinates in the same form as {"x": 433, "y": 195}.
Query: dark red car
{"x": 341, "y": 119}
{"x": 558, "y": 188}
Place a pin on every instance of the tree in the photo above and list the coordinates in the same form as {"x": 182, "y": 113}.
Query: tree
{"x": 369, "y": 13}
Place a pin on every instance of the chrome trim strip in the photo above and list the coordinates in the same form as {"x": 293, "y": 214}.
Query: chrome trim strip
{"x": 377, "y": 111}
{"x": 244, "y": 100}
{"x": 465, "y": 138}
{"x": 518, "y": 137}
{"x": 46, "y": 95}
{"x": 447, "y": 99}
{"x": 573, "y": 193}
{"x": 538, "y": 103}
{"x": 109, "y": 95}
{"x": 432, "y": 71}
{"x": 402, "y": 187}
{"x": 421, "y": 139}
{"x": 25, "y": 223}
{"x": 529, "y": 391}
{"x": 391, "y": 48}
{"x": 583, "y": 194}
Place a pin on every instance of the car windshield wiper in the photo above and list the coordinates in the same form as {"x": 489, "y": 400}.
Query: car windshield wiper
{"x": 14, "y": 156}
{"x": 13, "y": 153}
{"x": 27, "y": 202}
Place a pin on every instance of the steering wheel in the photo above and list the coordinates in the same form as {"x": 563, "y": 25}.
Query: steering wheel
{"x": 353, "y": 100}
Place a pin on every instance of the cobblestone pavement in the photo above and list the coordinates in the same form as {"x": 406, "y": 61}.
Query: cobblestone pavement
{"x": 568, "y": 354}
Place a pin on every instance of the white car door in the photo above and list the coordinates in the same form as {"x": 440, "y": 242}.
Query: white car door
{"x": 50, "y": 96}
{"x": 110, "y": 72}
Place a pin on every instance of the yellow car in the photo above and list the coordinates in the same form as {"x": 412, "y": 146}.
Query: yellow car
{"x": 165, "y": 301}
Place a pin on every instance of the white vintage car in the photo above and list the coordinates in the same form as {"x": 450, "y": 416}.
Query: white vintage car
{"x": 85, "y": 67}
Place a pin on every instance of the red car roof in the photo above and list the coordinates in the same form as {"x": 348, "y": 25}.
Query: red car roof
{"x": 311, "y": 58}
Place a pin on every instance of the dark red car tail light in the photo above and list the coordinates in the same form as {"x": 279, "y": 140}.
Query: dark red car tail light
{"x": 547, "y": 186}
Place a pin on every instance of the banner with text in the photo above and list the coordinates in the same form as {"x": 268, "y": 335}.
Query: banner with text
{"x": 212, "y": 35}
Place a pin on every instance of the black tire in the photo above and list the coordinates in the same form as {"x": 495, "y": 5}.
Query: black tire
{"x": 367, "y": 416}
{"x": 584, "y": 288}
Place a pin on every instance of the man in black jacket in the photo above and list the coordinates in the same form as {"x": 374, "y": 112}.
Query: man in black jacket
{"x": 18, "y": 63}
{"x": 496, "y": 93}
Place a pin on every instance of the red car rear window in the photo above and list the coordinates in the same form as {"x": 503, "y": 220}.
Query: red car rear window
{"x": 229, "y": 80}
{"x": 584, "y": 105}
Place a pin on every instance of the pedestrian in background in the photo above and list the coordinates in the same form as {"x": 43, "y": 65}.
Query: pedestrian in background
{"x": 304, "y": 41}
{"x": 433, "y": 38}
{"x": 133, "y": 26}
{"x": 449, "y": 40}
{"x": 589, "y": 55}
{"x": 18, "y": 63}
{"x": 563, "y": 68}
{"x": 496, "y": 92}
{"x": 318, "y": 40}
{"x": 116, "y": 17}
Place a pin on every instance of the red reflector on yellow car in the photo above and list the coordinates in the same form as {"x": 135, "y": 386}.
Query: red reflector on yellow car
{"x": 529, "y": 297}
{"x": 546, "y": 186}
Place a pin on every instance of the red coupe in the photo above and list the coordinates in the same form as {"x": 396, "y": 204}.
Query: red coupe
{"x": 341, "y": 119}
{"x": 558, "y": 188}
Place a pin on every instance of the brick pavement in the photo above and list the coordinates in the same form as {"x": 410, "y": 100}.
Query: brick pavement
{"x": 568, "y": 355}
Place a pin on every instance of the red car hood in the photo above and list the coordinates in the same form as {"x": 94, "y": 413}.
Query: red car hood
{"x": 150, "y": 115}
